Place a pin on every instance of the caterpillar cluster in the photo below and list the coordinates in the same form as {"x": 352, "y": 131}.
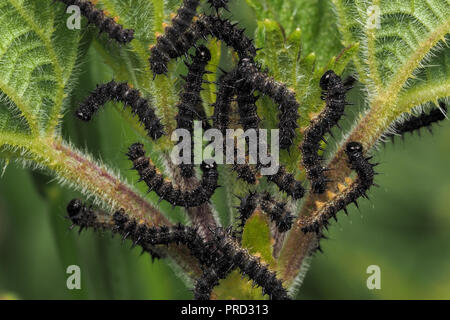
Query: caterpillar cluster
{"x": 415, "y": 123}
{"x": 165, "y": 189}
{"x": 122, "y": 92}
{"x": 359, "y": 188}
{"x": 275, "y": 210}
{"x": 285, "y": 98}
{"x": 218, "y": 256}
{"x": 206, "y": 25}
{"x": 101, "y": 21}
{"x": 334, "y": 92}
{"x": 190, "y": 105}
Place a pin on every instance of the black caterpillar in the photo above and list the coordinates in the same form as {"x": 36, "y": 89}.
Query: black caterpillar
{"x": 275, "y": 210}
{"x": 249, "y": 265}
{"x": 217, "y": 4}
{"x": 287, "y": 183}
{"x": 358, "y": 189}
{"x": 205, "y": 284}
{"x": 124, "y": 93}
{"x": 415, "y": 123}
{"x": 99, "y": 19}
{"x": 285, "y": 98}
{"x": 334, "y": 91}
{"x": 247, "y": 109}
{"x": 190, "y": 106}
{"x": 165, "y": 189}
{"x": 203, "y": 27}
{"x": 221, "y": 119}
{"x": 85, "y": 217}
{"x": 165, "y": 47}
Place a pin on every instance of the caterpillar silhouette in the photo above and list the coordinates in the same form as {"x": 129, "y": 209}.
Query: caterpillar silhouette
{"x": 278, "y": 92}
{"x": 206, "y": 25}
{"x": 165, "y": 189}
{"x": 359, "y": 188}
{"x": 334, "y": 91}
{"x": 415, "y": 123}
{"x": 101, "y": 21}
{"x": 275, "y": 210}
{"x": 122, "y": 92}
{"x": 190, "y": 106}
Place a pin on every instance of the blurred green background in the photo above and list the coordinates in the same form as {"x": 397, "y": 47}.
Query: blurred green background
{"x": 404, "y": 228}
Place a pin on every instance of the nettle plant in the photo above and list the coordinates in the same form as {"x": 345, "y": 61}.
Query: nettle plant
{"x": 293, "y": 73}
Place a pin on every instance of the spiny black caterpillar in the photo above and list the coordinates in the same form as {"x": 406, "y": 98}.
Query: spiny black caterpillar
{"x": 274, "y": 209}
{"x": 217, "y": 4}
{"x": 284, "y": 97}
{"x": 334, "y": 91}
{"x": 103, "y": 22}
{"x": 130, "y": 97}
{"x": 165, "y": 189}
{"x": 415, "y": 123}
{"x": 165, "y": 44}
{"x": 190, "y": 106}
{"x": 204, "y": 26}
{"x": 359, "y": 188}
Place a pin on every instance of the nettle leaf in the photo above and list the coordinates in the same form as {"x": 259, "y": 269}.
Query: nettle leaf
{"x": 37, "y": 56}
{"x": 398, "y": 39}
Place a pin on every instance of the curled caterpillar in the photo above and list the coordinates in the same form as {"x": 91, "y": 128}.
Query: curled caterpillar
{"x": 99, "y": 19}
{"x": 165, "y": 48}
{"x": 225, "y": 95}
{"x": 334, "y": 91}
{"x": 285, "y": 98}
{"x": 415, "y": 123}
{"x": 164, "y": 189}
{"x": 250, "y": 266}
{"x": 190, "y": 105}
{"x": 275, "y": 210}
{"x": 359, "y": 188}
{"x": 287, "y": 183}
{"x": 85, "y": 217}
{"x": 221, "y": 119}
{"x": 201, "y": 28}
{"x": 130, "y": 97}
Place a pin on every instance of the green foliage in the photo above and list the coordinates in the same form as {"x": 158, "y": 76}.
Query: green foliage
{"x": 400, "y": 65}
